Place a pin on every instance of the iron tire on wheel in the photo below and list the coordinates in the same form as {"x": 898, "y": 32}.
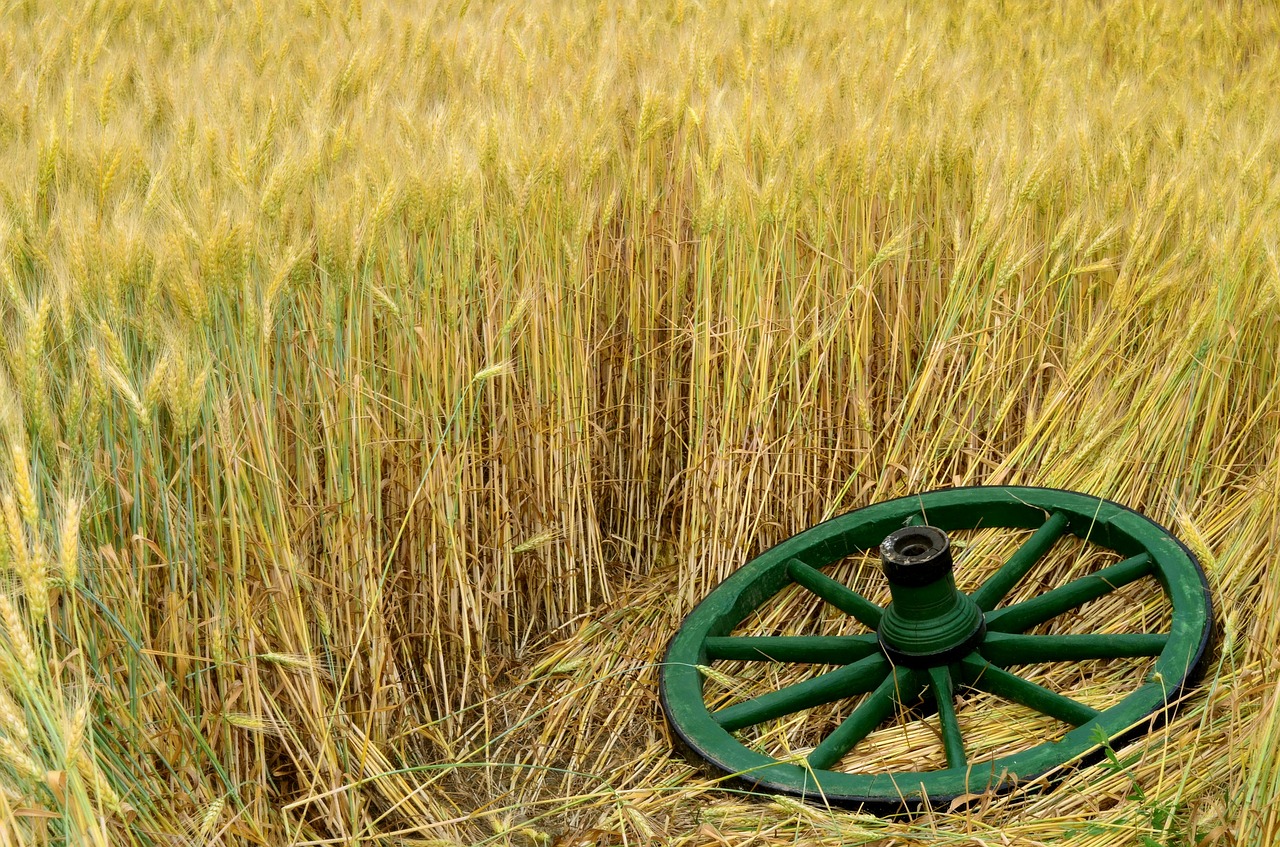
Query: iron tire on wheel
{"x": 870, "y": 665}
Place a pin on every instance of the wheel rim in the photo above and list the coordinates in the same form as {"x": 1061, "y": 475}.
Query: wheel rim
{"x": 954, "y": 655}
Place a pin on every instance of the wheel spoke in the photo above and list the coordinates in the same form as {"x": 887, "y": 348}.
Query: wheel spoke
{"x": 987, "y": 677}
{"x": 858, "y": 678}
{"x": 1003, "y": 649}
{"x": 842, "y": 597}
{"x": 991, "y": 592}
{"x": 829, "y": 649}
{"x": 1022, "y": 616}
{"x": 952, "y": 741}
{"x": 867, "y": 716}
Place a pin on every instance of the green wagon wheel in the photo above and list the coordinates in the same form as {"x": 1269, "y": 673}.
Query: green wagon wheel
{"x": 932, "y": 640}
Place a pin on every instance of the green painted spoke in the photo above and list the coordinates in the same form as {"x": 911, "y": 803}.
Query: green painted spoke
{"x": 915, "y": 520}
{"x": 1004, "y": 649}
{"x": 842, "y": 597}
{"x": 869, "y": 714}
{"x": 1022, "y": 616}
{"x": 952, "y": 741}
{"x": 991, "y": 592}
{"x": 828, "y": 649}
{"x": 983, "y": 675}
{"x": 858, "y": 678}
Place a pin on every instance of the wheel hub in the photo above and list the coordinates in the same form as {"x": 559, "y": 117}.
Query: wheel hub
{"x": 929, "y": 621}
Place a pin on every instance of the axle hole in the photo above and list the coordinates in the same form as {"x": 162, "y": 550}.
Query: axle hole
{"x": 913, "y": 545}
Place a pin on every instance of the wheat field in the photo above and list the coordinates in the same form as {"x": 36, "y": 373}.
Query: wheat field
{"x": 381, "y": 383}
